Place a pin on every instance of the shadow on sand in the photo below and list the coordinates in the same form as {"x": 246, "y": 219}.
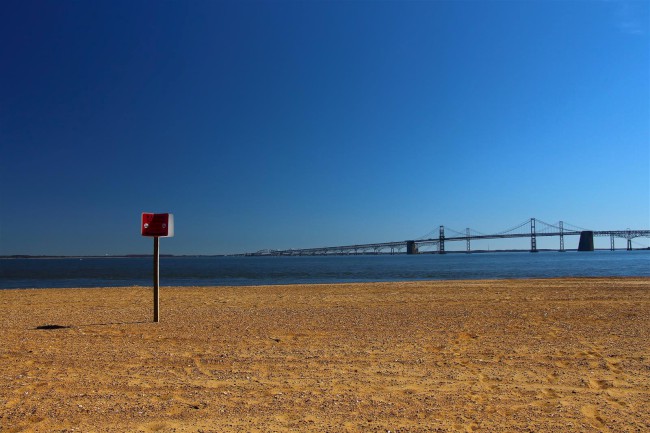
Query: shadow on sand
{"x": 49, "y": 327}
{"x": 52, "y": 327}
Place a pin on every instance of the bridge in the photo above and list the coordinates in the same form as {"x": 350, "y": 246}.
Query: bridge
{"x": 532, "y": 228}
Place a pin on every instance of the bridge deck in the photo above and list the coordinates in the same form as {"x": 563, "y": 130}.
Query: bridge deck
{"x": 398, "y": 245}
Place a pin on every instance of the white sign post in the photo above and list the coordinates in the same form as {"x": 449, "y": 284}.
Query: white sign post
{"x": 157, "y": 225}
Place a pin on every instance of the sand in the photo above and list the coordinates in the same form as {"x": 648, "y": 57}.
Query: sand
{"x": 463, "y": 356}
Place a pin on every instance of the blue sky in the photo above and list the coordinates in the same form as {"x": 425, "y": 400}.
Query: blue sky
{"x": 304, "y": 124}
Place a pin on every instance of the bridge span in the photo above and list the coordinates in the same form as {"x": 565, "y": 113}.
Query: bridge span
{"x": 532, "y": 228}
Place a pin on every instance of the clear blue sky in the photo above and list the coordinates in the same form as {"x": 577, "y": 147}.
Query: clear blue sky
{"x": 304, "y": 124}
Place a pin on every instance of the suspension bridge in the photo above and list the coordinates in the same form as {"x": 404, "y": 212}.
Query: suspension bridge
{"x": 531, "y": 228}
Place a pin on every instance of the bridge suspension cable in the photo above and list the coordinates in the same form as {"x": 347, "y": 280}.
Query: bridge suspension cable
{"x": 476, "y": 233}
{"x": 456, "y": 232}
{"x": 548, "y": 228}
{"x": 429, "y": 235}
{"x": 525, "y": 224}
{"x": 574, "y": 227}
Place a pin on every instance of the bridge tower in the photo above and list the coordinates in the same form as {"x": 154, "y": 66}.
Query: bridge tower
{"x": 533, "y": 237}
{"x": 469, "y": 250}
{"x": 441, "y": 244}
{"x": 561, "y": 236}
{"x": 629, "y": 238}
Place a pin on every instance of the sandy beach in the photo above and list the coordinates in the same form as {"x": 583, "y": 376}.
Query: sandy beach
{"x": 451, "y": 356}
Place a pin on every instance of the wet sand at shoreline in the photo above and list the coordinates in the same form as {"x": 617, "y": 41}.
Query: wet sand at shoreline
{"x": 447, "y": 356}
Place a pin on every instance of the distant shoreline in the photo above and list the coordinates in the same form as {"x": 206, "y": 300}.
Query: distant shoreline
{"x": 125, "y": 256}
{"x": 132, "y": 256}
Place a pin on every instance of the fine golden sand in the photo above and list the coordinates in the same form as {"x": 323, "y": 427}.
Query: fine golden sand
{"x": 454, "y": 356}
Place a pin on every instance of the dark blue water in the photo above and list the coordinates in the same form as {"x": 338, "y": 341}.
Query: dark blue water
{"x": 219, "y": 271}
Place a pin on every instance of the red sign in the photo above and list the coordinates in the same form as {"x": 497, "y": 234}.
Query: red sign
{"x": 157, "y": 225}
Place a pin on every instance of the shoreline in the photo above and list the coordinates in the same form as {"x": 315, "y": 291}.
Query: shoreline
{"x": 417, "y": 356}
{"x": 309, "y": 284}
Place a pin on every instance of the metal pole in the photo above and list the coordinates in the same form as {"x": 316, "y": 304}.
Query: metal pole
{"x": 156, "y": 279}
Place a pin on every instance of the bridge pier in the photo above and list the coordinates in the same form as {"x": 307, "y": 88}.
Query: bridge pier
{"x": 411, "y": 247}
{"x": 611, "y": 243}
{"x": 629, "y": 244}
{"x": 586, "y": 241}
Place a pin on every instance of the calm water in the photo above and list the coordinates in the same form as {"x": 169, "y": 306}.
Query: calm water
{"x": 218, "y": 271}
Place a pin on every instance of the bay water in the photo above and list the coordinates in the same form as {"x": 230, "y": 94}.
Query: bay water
{"x": 233, "y": 271}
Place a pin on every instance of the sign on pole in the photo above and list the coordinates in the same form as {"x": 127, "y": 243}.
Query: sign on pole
{"x": 157, "y": 225}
